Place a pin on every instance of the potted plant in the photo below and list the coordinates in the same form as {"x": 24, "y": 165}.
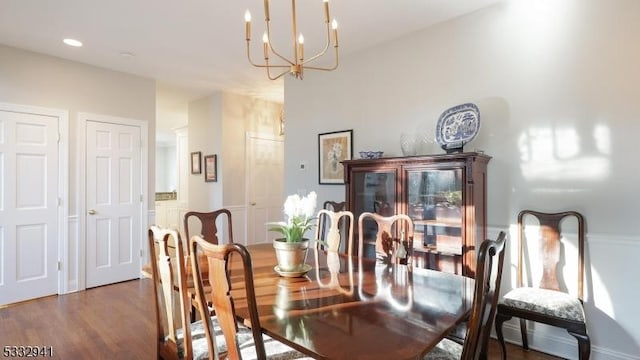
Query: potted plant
{"x": 291, "y": 250}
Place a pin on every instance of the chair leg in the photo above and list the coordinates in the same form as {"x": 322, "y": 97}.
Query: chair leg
{"x": 500, "y": 319}
{"x": 584, "y": 345}
{"x": 523, "y": 333}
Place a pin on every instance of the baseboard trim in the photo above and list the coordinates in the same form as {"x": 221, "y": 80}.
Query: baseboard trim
{"x": 558, "y": 346}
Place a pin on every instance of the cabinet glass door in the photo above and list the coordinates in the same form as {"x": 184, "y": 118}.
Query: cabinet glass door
{"x": 434, "y": 200}
{"x": 375, "y": 192}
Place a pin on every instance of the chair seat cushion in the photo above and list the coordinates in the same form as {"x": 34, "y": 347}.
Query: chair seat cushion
{"x": 275, "y": 350}
{"x": 549, "y": 302}
{"x": 445, "y": 349}
{"x": 199, "y": 338}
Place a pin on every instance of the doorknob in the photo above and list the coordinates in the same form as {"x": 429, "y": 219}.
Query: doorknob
{"x": 92, "y": 212}
{"x": 253, "y": 203}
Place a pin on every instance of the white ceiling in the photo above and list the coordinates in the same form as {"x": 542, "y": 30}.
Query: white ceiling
{"x": 195, "y": 47}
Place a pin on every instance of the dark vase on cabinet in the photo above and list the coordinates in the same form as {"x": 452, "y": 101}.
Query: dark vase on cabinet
{"x": 445, "y": 196}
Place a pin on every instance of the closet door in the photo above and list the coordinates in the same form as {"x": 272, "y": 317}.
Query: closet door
{"x": 29, "y": 205}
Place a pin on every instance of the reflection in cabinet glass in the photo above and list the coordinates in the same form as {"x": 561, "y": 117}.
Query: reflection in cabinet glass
{"x": 435, "y": 200}
{"x": 445, "y": 196}
{"x": 375, "y": 193}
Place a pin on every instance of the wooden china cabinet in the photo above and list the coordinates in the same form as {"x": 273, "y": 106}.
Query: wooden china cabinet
{"x": 445, "y": 195}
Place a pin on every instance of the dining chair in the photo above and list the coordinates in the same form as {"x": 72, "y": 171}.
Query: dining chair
{"x": 334, "y": 205}
{"x": 177, "y": 338}
{"x": 209, "y": 225}
{"x": 548, "y": 303}
{"x": 483, "y": 308}
{"x": 251, "y": 345}
{"x": 331, "y": 228}
{"x": 393, "y": 237}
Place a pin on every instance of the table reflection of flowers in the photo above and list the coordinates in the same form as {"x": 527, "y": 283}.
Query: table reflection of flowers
{"x": 295, "y": 327}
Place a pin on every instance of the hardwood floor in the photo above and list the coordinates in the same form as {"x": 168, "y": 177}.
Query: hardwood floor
{"x": 114, "y": 321}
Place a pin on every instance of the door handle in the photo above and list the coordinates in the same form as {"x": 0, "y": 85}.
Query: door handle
{"x": 92, "y": 212}
{"x": 253, "y": 203}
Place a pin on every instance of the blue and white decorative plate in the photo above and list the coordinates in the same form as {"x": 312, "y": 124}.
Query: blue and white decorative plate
{"x": 457, "y": 126}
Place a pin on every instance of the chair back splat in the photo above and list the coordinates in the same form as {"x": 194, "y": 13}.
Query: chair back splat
{"x": 550, "y": 247}
{"x": 335, "y": 229}
{"x": 393, "y": 237}
{"x": 324, "y": 223}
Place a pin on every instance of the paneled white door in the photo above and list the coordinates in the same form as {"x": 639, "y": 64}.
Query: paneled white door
{"x": 265, "y": 186}
{"x": 113, "y": 197}
{"x": 29, "y": 160}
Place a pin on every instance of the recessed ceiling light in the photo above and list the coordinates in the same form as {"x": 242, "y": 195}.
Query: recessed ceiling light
{"x": 72, "y": 42}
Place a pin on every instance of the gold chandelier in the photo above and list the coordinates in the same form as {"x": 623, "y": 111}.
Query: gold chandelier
{"x": 298, "y": 64}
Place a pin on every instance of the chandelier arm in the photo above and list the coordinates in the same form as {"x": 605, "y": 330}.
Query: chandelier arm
{"x": 262, "y": 65}
{"x": 274, "y": 50}
{"x": 269, "y": 67}
{"x": 279, "y": 76}
{"x": 335, "y": 66}
{"x": 326, "y": 47}
{"x": 249, "y": 55}
{"x": 272, "y": 66}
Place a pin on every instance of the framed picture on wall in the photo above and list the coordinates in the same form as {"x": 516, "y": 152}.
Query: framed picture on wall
{"x": 211, "y": 168}
{"x": 195, "y": 162}
{"x": 333, "y": 147}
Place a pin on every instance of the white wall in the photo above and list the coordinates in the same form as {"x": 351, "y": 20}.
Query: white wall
{"x": 33, "y": 79}
{"x": 556, "y": 82}
{"x": 205, "y": 136}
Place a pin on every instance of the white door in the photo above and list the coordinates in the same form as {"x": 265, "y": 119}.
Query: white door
{"x": 29, "y": 208}
{"x": 113, "y": 198}
{"x": 265, "y": 186}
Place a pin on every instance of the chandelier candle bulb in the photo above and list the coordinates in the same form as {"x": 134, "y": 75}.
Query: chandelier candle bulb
{"x": 334, "y": 26}
{"x": 266, "y": 10}
{"x": 265, "y": 45}
{"x": 247, "y": 20}
{"x": 301, "y": 47}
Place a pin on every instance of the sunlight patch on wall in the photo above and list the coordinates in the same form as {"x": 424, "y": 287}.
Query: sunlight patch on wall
{"x": 561, "y": 154}
{"x": 600, "y": 296}
{"x": 602, "y": 138}
{"x": 543, "y": 23}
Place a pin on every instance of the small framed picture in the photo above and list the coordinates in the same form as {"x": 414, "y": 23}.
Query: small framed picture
{"x": 211, "y": 168}
{"x": 195, "y": 162}
{"x": 333, "y": 148}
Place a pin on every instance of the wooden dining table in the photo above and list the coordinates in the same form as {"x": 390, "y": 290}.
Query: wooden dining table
{"x": 354, "y": 308}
